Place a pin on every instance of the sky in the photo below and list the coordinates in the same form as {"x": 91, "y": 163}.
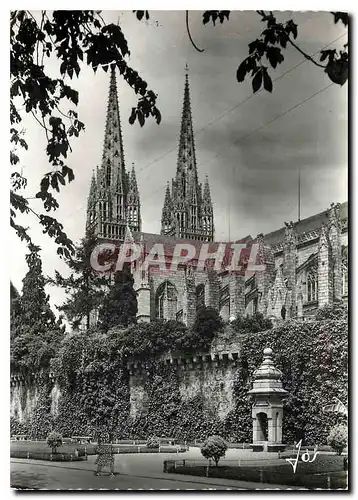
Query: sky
{"x": 250, "y": 145}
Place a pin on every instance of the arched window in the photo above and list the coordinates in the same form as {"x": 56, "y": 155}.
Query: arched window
{"x": 312, "y": 288}
{"x": 200, "y": 296}
{"x": 344, "y": 279}
{"x": 166, "y": 301}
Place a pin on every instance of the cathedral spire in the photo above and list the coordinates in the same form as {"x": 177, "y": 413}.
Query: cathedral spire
{"x": 186, "y": 175}
{"x": 114, "y": 197}
{"x": 113, "y": 166}
{"x": 189, "y": 217}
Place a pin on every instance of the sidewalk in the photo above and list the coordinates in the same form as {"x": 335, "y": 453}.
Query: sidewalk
{"x": 135, "y": 472}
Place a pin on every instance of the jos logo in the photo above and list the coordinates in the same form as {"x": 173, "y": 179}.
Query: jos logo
{"x": 305, "y": 457}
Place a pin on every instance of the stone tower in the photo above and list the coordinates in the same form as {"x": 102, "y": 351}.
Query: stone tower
{"x": 113, "y": 200}
{"x": 188, "y": 210}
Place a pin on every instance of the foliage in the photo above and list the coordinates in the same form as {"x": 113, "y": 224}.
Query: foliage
{"x": 75, "y": 38}
{"x": 143, "y": 340}
{"x": 207, "y": 323}
{"x": 338, "y": 438}
{"x": 337, "y": 310}
{"x": 91, "y": 368}
{"x": 267, "y": 51}
{"x": 54, "y": 440}
{"x": 214, "y": 447}
{"x": 17, "y": 427}
{"x": 91, "y": 373}
{"x": 119, "y": 307}
{"x": 40, "y": 422}
{"x": 84, "y": 287}
{"x": 153, "y": 442}
{"x": 35, "y": 332}
{"x": 251, "y": 324}
{"x": 311, "y": 384}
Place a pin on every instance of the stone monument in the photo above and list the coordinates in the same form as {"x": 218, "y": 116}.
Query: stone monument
{"x": 267, "y": 408}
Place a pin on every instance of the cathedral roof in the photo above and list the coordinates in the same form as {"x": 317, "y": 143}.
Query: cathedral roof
{"x": 305, "y": 225}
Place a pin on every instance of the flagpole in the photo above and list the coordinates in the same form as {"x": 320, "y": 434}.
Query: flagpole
{"x": 299, "y": 194}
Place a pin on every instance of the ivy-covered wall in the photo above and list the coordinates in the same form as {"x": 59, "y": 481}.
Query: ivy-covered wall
{"x": 193, "y": 396}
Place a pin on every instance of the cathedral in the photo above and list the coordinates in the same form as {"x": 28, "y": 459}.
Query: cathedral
{"x": 305, "y": 263}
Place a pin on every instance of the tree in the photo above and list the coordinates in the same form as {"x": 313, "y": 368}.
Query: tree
{"x": 214, "y": 447}
{"x": 119, "y": 307}
{"x": 207, "y": 322}
{"x": 338, "y": 438}
{"x": 84, "y": 287}
{"x": 73, "y": 39}
{"x": 36, "y": 333}
{"x": 54, "y": 440}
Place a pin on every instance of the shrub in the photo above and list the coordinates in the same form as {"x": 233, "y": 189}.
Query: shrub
{"x": 207, "y": 323}
{"x": 251, "y": 324}
{"x": 153, "y": 442}
{"x": 337, "y": 310}
{"x": 54, "y": 440}
{"x": 214, "y": 447}
{"x": 338, "y": 438}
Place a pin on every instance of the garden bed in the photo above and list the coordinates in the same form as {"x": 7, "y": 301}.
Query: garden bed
{"x": 39, "y": 449}
{"x": 271, "y": 475}
{"x": 52, "y": 457}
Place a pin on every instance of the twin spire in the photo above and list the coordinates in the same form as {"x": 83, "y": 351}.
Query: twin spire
{"x": 113, "y": 202}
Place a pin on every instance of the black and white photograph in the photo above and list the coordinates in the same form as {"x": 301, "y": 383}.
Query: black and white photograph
{"x": 179, "y": 247}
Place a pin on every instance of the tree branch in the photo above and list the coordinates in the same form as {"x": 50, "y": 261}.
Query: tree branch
{"x": 188, "y": 30}
{"x": 304, "y": 54}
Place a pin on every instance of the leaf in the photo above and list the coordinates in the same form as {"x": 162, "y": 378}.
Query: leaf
{"x": 257, "y": 81}
{"x": 274, "y": 56}
{"x": 45, "y": 184}
{"x": 341, "y": 16}
{"x": 241, "y": 71}
{"x": 206, "y": 17}
{"x": 267, "y": 81}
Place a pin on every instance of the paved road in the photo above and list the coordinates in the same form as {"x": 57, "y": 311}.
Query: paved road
{"x": 135, "y": 472}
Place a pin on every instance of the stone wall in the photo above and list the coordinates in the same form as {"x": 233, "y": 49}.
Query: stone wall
{"x": 210, "y": 376}
{"x": 25, "y": 394}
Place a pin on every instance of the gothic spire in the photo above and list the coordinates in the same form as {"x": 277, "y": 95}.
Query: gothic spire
{"x": 133, "y": 186}
{"x": 92, "y": 197}
{"x": 113, "y": 166}
{"x": 114, "y": 190}
{"x": 206, "y": 194}
{"x": 167, "y": 212}
{"x": 187, "y": 176}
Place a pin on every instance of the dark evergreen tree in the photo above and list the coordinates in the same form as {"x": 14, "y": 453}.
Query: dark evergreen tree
{"x": 120, "y": 305}
{"x": 35, "y": 332}
{"x": 85, "y": 288}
